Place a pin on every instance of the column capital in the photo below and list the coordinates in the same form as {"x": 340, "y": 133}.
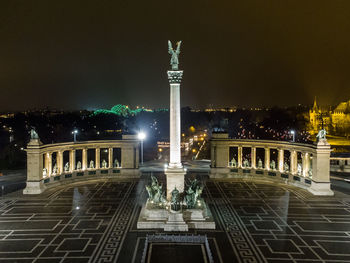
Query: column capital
{"x": 175, "y": 76}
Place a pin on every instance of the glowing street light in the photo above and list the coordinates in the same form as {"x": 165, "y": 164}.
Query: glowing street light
{"x": 141, "y": 137}
{"x": 293, "y": 134}
{"x": 75, "y": 132}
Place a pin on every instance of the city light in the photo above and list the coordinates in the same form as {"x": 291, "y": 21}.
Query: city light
{"x": 75, "y": 132}
{"x": 293, "y": 134}
{"x": 141, "y": 137}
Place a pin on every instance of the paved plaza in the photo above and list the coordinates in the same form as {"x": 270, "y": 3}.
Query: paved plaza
{"x": 95, "y": 221}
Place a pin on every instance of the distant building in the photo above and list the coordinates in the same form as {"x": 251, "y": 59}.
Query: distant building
{"x": 336, "y": 121}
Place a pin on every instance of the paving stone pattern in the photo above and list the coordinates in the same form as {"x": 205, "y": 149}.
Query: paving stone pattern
{"x": 95, "y": 221}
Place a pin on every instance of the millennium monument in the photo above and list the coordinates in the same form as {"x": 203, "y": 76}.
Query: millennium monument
{"x": 178, "y": 209}
{"x": 175, "y": 172}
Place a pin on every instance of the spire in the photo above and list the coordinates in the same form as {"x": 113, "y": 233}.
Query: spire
{"x": 315, "y": 105}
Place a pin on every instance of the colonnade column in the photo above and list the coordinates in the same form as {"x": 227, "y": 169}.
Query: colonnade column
{"x": 280, "y": 160}
{"x": 59, "y": 162}
{"x": 49, "y": 164}
{"x": 97, "y": 158}
{"x": 253, "y": 157}
{"x": 84, "y": 159}
{"x": 306, "y": 164}
{"x": 240, "y": 150}
{"x": 110, "y": 157}
{"x": 46, "y": 164}
{"x": 72, "y": 160}
{"x": 267, "y": 158}
{"x": 293, "y": 162}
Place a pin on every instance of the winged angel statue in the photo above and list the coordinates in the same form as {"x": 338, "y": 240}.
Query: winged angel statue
{"x": 174, "y": 62}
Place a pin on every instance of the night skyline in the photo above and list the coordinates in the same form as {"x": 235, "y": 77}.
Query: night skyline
{"x": 83, "y": 55}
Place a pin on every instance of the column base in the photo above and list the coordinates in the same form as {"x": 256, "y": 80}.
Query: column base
{"x": 175, "y": 177}
{"x": 318, "y": 188}
{"x": 34, "y": 188}
{"x": 175, "y": 166}
{"x": 175, "y": 222}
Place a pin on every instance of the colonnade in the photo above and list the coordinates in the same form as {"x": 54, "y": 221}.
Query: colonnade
{"x": 311, "y": 170}
{"x": 306, "y": 157}
{"x": 42, "y": 170}
{"x": 48, "y": 163}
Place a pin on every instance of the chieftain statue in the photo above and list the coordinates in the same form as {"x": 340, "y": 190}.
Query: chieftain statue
{"x": 175, "y": 200}
{"x": 155, "y": 191}
{"x": 174, "y": 62}
{"x": 193, "y": 194}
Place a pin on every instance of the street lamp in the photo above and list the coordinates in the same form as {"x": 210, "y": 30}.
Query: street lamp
{"x": 75, "y": 135}
{"x": 141, "y": 137}
{"x": 293, "y": 134}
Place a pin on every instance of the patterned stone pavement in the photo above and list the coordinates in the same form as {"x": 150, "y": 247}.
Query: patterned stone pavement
{"x": 95, "y": 221}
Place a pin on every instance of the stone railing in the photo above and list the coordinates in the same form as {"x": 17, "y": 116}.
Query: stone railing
{"x": 49, "y": 164}
{"x": 303, "y": 165}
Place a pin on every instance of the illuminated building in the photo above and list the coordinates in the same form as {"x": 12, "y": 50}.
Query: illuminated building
{"x": 335, "y": 121}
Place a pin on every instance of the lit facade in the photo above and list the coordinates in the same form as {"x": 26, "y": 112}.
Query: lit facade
{"x": 337, "y": 120}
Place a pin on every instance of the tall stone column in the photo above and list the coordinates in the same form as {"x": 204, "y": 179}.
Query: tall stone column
{"x": 84, "y": 159}
{"x": 97, "y": 158}
{"x": 267, "y": 158}
{"x": 72, "y": 160}
{"x": 253, "y": 157}
{"x": 34, "y": 184}
{"x": 320, "y": 184}
{"x": 280, "y": 160}
{"x": 239, "y": 161}
{"x": 175, "y": 118}
{"x": 175, "y": 173}
{"x": 110, "y": 157}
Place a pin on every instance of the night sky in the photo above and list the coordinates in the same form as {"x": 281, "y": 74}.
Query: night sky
{"x": 95, "y": 54}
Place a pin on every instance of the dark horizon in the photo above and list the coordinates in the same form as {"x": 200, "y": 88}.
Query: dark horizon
{"x": 81, "y": 55}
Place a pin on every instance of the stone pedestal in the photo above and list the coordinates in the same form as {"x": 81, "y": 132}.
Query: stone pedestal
{"x": 152, "y": 217}
{"x": 175, "y": 177}
{"x": 175, "y": 222}
{"x": 34, "y": 188}
{"x": 320, "y": 184}
{"x": 34, "y": 168}
{"x": 317, "y": 188}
